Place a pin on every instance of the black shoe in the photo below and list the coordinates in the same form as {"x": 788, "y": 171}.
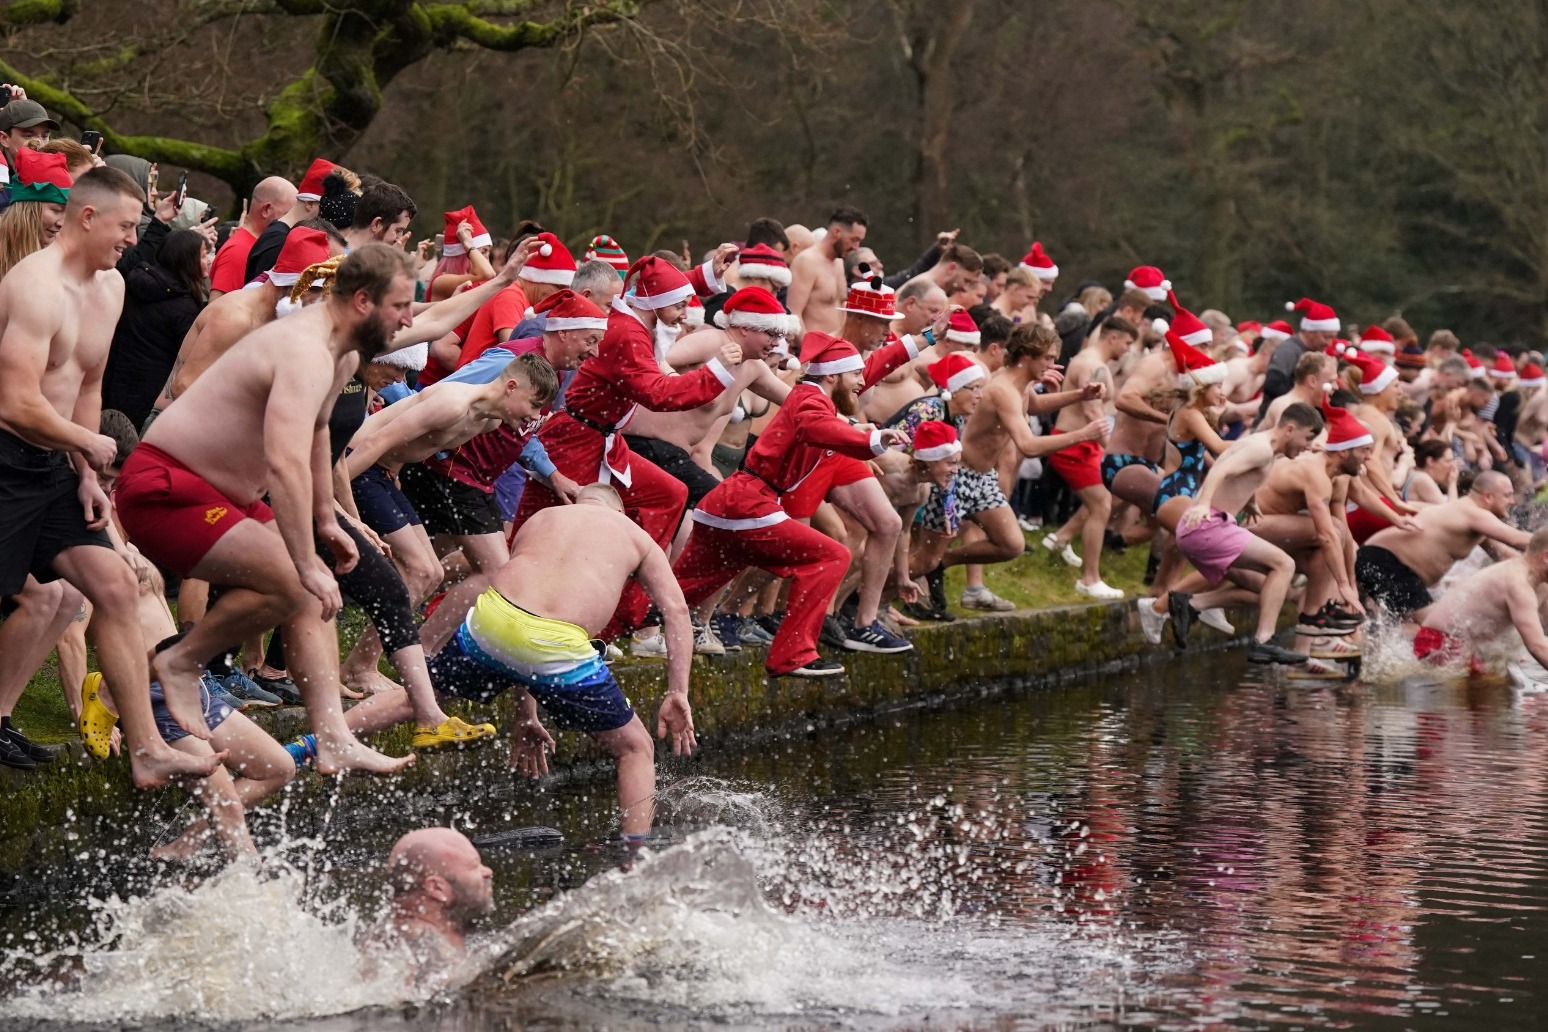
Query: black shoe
{"x": 1152, "y": 567}
{"x": 849, "y": 608}
{"x": 771, "y": 622}
{"x": 1182, "y": 616}
{"x": 1340, "y": 616}
{"x": 818, "y": 667}
{"x": 284, "y": 687}
{"x": 37, "y": 753}
{"x": 922, "y": 611}
{"x": 13, "y": 755}
{"x": 1318, "y": 624}
{"x": 936, "y": 581}
{"x": 1113, "y": 542}
{"x": 1268, "y": 652}
{"x": 833, "y": 632}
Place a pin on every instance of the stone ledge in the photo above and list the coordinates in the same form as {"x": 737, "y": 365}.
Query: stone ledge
{"x": 76, "y": 803}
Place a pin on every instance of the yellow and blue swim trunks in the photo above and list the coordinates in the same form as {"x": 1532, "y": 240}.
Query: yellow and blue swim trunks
{"x": 500, "y": 643}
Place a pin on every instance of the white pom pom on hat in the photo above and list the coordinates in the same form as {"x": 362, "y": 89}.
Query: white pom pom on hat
{"x": 546, "y": 250}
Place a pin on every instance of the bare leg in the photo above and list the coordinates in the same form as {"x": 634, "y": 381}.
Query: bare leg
{"x": 1098, "y": 505}
{"x": 43, "y": 613}
{"x": 1278, "y": 569}
{"x": 634, "y": 752}
{"x": 262, "y": 766}
{"x": 485, "y": 553}
{"x": 867, "y": 502}
{"x": 193, "y": 597}
{"x": 410, "y": 663}
{"x": 1003, "y": 539}
{"x": 218, "y": 795}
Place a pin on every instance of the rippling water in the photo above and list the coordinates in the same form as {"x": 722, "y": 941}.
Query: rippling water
{"x": 1195, "y": 847}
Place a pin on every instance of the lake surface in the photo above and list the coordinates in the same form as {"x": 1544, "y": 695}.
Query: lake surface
{"x": 1199, "y": 845}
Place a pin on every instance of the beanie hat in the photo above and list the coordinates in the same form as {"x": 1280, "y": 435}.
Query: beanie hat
{"x": 1151, "y": 280}
{"x": 311, "y": 188}
{"x": 962, "y": 329}
{"x": 652, "y": 283}
{"x": 451, "y": 247}
{"x": 338, "y": 202}
{"x": 754, "y": 308}
{"x": 1315, "y": 316}
{"x": 567, "y": 310}
{"x": 762, "y": 262}
{"x": 935, "y": 440}
{"x": 1278, "y": 330}
{"x": 1377, "y": 341}
{"x": 550, "y": 263}
{"x": 954, "y": 372}
{"x": 604, "y": 248}
{"x": 43, "y": 178}
{"x": 1344, "y": 430}
{"x": 1410, "y": 357}
{"x": 870, "y": 297}
{"x": 826, "y": 355}
{"x": 1039, "y": 264}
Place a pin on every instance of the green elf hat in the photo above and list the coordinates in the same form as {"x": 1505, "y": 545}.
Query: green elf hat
{"x": 41, "y": 177}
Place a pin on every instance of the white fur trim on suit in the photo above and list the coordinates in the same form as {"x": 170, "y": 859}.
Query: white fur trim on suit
{"x": 750, "y": 523}
{"x": 724, "y": 375}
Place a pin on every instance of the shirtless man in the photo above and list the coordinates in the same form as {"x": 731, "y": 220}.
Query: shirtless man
{"x": 1486, "y": 604}
{"x": 920, "y": 316}
{"x": 1314, "y": 372}
{"x": 531, "y": 632}
{"x": 190, "y": 496}
{"x": 1209, "y": 537}
{"x": 440, "y": 886}
{"x": 58, "y": 307}
{"x": 817, "y": 283}
{"x": 1380, "y": 392}
{"x": 1080, "y": 466}
{"x": 1000, "y": 418}
{"x": 1397, "y": 568}
{"x": 1136, "y": 449}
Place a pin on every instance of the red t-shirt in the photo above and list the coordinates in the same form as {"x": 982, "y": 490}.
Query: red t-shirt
{"x": 228, "y": 274}
{"x": 501, "y": 312}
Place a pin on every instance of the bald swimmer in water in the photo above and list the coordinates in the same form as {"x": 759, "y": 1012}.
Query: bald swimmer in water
{"x": 440, "y": 887}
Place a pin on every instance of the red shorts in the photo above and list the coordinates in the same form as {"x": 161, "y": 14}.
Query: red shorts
{"x": 833, "y": 471}
{"x": 1363, "y": 524}
{"x": 171, "y": 513}
{"x": 1080, "y": 465}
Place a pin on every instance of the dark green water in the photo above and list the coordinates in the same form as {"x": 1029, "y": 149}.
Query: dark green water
{"x": 1199, "y": 846}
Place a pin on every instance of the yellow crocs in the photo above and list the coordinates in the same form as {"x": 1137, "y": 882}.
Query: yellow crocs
{"x": 454, "y": 731}
{"x": 97, "y": 721}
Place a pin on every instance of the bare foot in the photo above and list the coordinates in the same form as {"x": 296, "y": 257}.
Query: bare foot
{"x": 180, "y": 689}
{"x": 370, "y": 682}
{"x": 337, "y": 755}
{"x": 154, "y": 767}
{"x": 185, "y": 845}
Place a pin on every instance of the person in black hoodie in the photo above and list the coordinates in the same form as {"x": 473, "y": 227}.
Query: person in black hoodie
{"x": 162, "y": 297}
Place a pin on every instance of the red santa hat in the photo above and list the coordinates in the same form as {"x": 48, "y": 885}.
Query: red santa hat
{"x": 1503, "y": 368}
{"x": 935, "y": 440}
{"x": 871, "y": 297}
{"x": 762, "y": 262}
{"x": 1194, "y": 368}
{"x": 551, "y": 263}
{"x": 311, "y": 188}
{"x": 1250, "y": 327}
{"x": 1189, "y": 327}
{"x": 41, "y": 177}
{"x": 1278, "y": 330}
{"x": 1344, "y": 430}
{"x": 1377, "y": 341}
{"x": 451, "y": 247}
{"x": 1039, "y": 264}
{"x": 567, "y": 310}
{"x": 1475, "y": 366}
{"x": 1375, "y": 375}
{"x": 693, "y": 315}
{"x": 303, "y": 248}
{"x": 1531, "y": 376}
{"x": 954, "y": 372}
{"x": 655, "y": 283}
{"x": 1151, "y": 280}
{"x": 962, "y": 329}
{"x": 823, "y": 354}
{"x": 1315, "y": 316}
{"x": 413, "y": 357}
{"x": 754, "y": 308}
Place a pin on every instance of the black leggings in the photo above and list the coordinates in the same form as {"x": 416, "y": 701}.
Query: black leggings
{"x": 377, "y": 588}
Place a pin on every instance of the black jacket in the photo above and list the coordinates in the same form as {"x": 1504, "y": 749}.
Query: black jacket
{"x": 158, "y": 310}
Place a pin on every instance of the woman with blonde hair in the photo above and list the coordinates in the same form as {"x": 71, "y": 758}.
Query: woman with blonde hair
{"x": 36, "y": 212}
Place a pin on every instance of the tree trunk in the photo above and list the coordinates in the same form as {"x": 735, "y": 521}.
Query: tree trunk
{"x": 933, "y": 65}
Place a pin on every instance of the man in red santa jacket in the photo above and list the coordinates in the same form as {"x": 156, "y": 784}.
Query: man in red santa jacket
{"x": 741, "y": 523}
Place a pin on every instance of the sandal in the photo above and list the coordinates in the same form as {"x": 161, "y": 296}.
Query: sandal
{"x": 97, "y": 721}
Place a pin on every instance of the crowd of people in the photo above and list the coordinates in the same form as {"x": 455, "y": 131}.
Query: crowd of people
{"x": 518, "y": 464}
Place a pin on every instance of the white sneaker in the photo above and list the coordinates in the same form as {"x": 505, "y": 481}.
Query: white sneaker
{"x": 1067, "y": 553}
{"x": 1029, "y": 525}
{"x": 1100, "y": 590}
{"x": 1216, "y": 618}
{"x": 983, "y": 598}
{"x": 1151, "y": 622}
{"x": 705, "y": 643}
{"x": 652, "y": 647}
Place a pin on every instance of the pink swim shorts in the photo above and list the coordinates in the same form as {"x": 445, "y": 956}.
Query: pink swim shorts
{"x": 1213, "y": 545}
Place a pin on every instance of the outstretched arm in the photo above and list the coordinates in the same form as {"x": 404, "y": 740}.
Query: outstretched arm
{"x": 654, "y": 574}
{"x": 442, "y": 317}
{"x": 1522, "y": 603}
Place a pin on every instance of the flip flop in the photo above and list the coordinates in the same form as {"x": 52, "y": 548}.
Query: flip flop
{"x": 452, "y": 731}
{"x": 97, "y": 721}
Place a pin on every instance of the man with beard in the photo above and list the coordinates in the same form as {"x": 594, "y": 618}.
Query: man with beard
{"x": 191, "y": 496}
{"x": 439, "y": 887}
{"x": 817, "y": 282}
{"x": 742, "y": 523}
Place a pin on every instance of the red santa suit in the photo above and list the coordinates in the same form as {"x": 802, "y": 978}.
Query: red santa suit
{"x": 741, "y": 523}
